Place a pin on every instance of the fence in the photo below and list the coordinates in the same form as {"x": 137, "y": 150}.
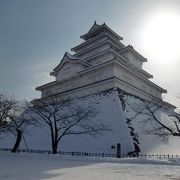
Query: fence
{"x": 160, "y": 156}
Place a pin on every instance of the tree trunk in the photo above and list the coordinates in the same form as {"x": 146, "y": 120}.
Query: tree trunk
{"x": 54, "y": 147}
{"x": 54, "y": 142}
{"x": 18, "y": 140}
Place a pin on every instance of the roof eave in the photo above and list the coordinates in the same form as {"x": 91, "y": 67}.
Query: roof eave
{"x": 53, "y": 73}
{"x": 131, "y": 49}
{"x": 39, "y": 88}
{"x": 126, "y": 49}
{"x": 89, "y": 34}
{"x": 169, "y": 105}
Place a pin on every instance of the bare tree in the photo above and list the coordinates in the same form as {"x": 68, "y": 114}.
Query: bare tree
{"x": 5, "y": 106}
{"x": 15, "y": 118}
{"x": 67, "y": 117}
{"x": 157, "y": 118}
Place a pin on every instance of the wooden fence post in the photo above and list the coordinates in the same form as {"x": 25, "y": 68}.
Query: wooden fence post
{"x": 118, "y": 150}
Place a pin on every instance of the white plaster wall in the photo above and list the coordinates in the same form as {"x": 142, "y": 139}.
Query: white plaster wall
{"x": 130, "y": 89}
{"x": 80, "y": 80}
{"x": 133, "y": 60}
{"x": 102, "y": 73}
{"x": 68, "y": 70}
{"x": 94, "y": 51}
{"x": 91, "y": 43}
{"x": 92, "y": 89}
{"x": 87, "y": 90}
{"x": 101, "y": 59}
{"x": 136, "y": 81}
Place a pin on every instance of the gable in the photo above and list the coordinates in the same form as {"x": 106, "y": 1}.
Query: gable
{"x": 71, "y": 59}
{"x": 68, "y": 69}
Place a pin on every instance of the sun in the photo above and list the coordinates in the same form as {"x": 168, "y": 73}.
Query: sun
{"x": 161, "y": 36}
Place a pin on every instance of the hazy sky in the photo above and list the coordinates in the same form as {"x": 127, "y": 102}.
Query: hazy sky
{"x": 34, "y": 35}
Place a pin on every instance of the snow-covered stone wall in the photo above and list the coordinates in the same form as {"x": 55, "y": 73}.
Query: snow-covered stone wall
{"x": 115, "y": 110}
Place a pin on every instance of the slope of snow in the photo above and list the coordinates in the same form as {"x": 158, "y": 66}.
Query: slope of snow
{"x": 55, "y": 167}
{"x": 111, "y": 113}
{"x": 149, "y": 143}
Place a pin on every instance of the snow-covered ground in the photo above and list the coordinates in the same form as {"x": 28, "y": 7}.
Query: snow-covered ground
{"x": 55, "y": 167}
{"x": 111, "y": 113}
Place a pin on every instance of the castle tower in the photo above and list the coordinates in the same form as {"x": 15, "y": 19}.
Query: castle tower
{"x": 99, "y": 63}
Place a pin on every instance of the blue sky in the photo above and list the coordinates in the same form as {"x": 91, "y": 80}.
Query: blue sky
{"x": 34, "y": 34}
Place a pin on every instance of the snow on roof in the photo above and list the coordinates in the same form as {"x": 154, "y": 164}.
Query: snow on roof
{"x": 68, "y": 57}
{"x": 95, "y": 30}
{"x": 71, "y": 57}
{"x": 94, "y": 27}
{"x": 131, "y": 49}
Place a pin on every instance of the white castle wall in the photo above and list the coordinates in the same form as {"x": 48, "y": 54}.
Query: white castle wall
{"x": 68, "y": 70}
{"x": 128, "y": 83}
{"x": 133, "y": 60}
{"x": 79, "y": 80}
{"x": 91, "y": 43}
{"x": 93, "y": 51}
{"x": 131, "y": 79}
{"x": 101, "y": 58}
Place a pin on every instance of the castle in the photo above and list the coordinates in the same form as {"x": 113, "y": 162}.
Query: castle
{"x": 102, "y": 63}
{"x": 99, "y": 63}
{"x": 104, "y": 71}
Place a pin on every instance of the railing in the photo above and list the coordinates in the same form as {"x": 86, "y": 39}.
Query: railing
{"x": 90, "y": 154}
{"x": 87, "y": 154}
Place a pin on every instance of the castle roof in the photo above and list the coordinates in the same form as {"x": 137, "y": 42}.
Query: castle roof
{"x": 68, "y": 57}
{"x": 102, "y": 58}
{"x": 130, "y": 48}
{"x": 96, "y": 29}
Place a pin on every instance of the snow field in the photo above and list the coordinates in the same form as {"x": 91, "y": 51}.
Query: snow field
{"x": 55, "y": 167}
{"x": 110, "y": 113}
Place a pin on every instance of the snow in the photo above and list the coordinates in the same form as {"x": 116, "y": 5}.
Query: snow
{"x": 71, "y": 56}
{"x": 111, "y": 113}
{"x": 151, "y": 144}
{"x": 55, "y": 167}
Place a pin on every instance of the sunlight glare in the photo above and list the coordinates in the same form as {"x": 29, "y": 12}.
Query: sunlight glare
{"x": 161, "y": 36}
